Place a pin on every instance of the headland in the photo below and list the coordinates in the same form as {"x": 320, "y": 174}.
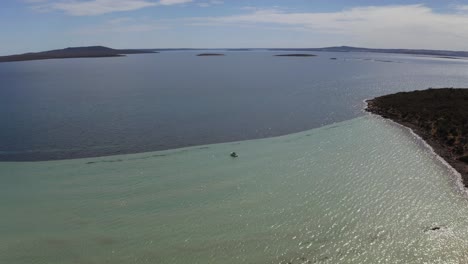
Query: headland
{"x": 75, "y": 52}
{"x": 210, "y": 54}
{"x": 439, "y": 116}
{"x": 296, "y": 55}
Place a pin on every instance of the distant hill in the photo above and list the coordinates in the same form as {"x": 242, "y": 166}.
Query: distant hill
{"x": 100, "y": 51}
{"x": 441, "y": 53}
{"x": 74, "y": 52}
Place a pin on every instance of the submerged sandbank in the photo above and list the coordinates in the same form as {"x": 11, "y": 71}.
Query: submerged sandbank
{"x": 364, "y": 186}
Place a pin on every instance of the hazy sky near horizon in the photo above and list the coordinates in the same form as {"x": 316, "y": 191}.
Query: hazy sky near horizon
{"x": 36, "y": 25}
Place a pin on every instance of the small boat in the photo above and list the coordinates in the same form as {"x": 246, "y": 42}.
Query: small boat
{"x": 234, "y": 155}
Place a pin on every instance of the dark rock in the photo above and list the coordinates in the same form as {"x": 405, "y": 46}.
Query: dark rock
{"x": 433, "y": 228}
{"x": 464, "y": 159}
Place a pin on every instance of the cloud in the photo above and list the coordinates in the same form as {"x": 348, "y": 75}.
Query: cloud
{"x": 461, "y": 7}
{"x": 211, "y": 3}
{"x": 121, "y": 25}
{"x": 174, "y": 2}
{"x": 391, "y": 26}
{"x": 35, "y": 1}
{"x": 380, "y": 26}
{"x": 98, "y": 7}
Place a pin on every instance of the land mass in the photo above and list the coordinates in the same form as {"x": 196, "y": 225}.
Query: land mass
{"x": 438, "y": 53}
{"x": 100, "y": 51}
{"x": 296, "y": 55}
{"x": 445, "y": 54}
{"x": 75, "y": 52}
{"x": 439, "y": 116}
{"x": 210, "y": 54}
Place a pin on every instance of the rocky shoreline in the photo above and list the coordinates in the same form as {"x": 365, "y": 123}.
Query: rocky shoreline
{"x": 438, "y": 116}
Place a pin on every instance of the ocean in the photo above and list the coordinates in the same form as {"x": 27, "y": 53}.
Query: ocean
{"x": 76, "y": 108}
{"x": 350, "y": 187}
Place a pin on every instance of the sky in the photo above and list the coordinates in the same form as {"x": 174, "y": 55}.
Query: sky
{"x": 37, "y": 25}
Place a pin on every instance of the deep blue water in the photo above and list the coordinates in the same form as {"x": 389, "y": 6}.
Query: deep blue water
{"x": 60, "y": 109}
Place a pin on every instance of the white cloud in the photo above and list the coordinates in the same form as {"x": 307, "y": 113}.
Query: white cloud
{"x": 211, "y": 3}
{"x": 98, "y": 7}
{"x": 121, "y": 25}
{"x": 380, "y": 26}
{"x": 395, "y": 26}
{"x": 35, "y": 1}
{"x": 461, "y": 7}
{"x": 174, "y": 2}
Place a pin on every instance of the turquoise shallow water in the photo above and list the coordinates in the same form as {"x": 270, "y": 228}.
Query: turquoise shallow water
{"x": 360, "y": 191}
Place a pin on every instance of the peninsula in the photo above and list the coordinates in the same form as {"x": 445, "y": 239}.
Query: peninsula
{"x": 439, "y": 116}
{"x": 296, "y": 55}
{"x": 437, "y": 53}
{"x": 74, "y": 52}
{"x": 210, "y": 54}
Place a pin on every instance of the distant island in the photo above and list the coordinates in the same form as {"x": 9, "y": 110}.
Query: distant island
{"x": 296, "y": 55}
{"x": 74, "y": 52}
{"x": 443, "y": 54}
{"x": 439, "y": 116}
{"x": 238, "y": 49}
{"x": 210, "y": 54}
{"x": 100, "y": 51}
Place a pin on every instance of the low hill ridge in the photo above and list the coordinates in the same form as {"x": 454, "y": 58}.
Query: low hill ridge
{"x": 73, "y": 52}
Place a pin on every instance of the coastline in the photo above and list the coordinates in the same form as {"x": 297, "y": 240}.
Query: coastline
{"x": 457, "y": 177}
{"x": 441, "y": 150}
